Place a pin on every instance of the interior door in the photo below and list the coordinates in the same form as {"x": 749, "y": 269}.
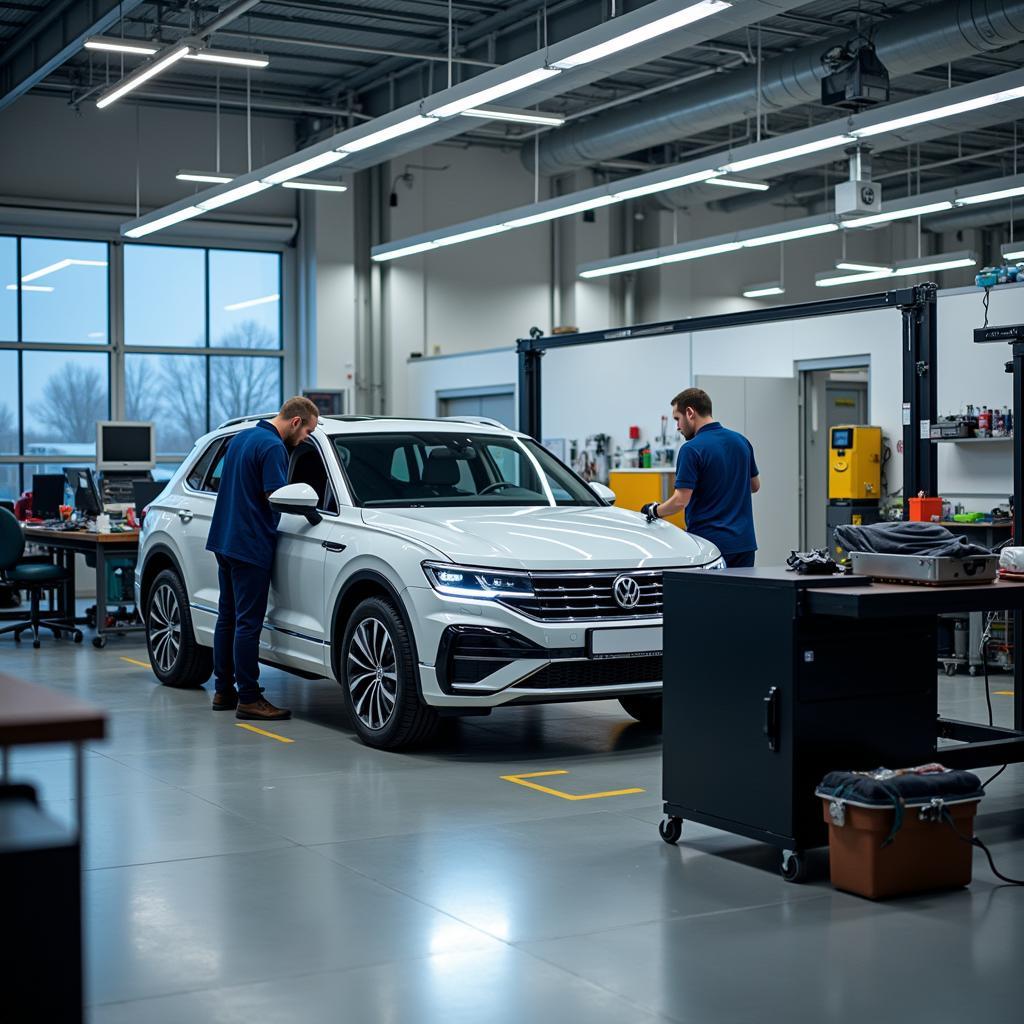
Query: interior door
{"x": 764, "y": 410}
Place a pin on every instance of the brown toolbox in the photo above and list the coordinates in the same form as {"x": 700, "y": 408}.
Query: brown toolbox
{"x": 892, "y": 833}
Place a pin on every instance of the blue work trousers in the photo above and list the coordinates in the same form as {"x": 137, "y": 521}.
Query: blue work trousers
{"x": 740, "y": 560}
{"x": 244, "y": 590}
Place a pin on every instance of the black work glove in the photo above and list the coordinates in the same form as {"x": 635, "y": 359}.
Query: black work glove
{"x": 651, "y": 511}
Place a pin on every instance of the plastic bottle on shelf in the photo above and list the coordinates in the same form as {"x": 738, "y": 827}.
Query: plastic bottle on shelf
{"x": 998, "y": 422}
{"x": 984, "y": 422}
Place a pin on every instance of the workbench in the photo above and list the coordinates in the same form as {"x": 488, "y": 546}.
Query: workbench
{"x": 773, "y": 679}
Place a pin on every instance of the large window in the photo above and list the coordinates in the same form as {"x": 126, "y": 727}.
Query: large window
{"x": 199, "y": 341}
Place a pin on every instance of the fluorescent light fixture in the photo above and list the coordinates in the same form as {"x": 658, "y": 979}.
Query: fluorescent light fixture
{"x": 315, "y": 186}
{"x": 314, "y": 163}
{"x": 237, "y": 57}
{"x": 1013, "y": 252}
{"x": 209, "y": 177}
{"x": 787, "y": 236}
{"x": 664, "y": 186}
{"x": 30, "y": 288}
{"x": 494, "y": 92}
{"x": 467, "y": 236}
{"x": 660, "y": 260}
{"x": 61, "y": 265}
{"x": 884, "y": 218}
{"x": 760, "y": 291}
{"x": 410, "y": 124}
{"x": 409, "y": 250}
{"x": 114, "y": 44}
{"x": 261, "y": 301}
{"x": 927, "y": 264}
{"x": 651, "y": 30}
{"x": 785, "y": 154}
{"x": 829, "y": 279}
{"x": 753, "y": 186}
{"x": 163, "y": 222}
{"x": 864, "y": 268}
{"x": 250, "y": 188}
{"x": 991, "y": 197}
{"x": 516, "y": 116}
{"x": 938, "y": 113}
{"x": 623, "y": 268}
{"x": 140, "y": 75}
{"x": 561, "y": 211}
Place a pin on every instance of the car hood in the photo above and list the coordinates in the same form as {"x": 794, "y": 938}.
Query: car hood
{"x": 546, "y": 538}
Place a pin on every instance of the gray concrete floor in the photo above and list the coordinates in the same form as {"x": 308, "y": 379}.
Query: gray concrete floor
{"x": 232, "y": 877}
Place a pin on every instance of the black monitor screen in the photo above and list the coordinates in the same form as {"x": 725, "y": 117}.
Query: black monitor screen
{"x": 47, "y": 495}
{"x": 842, "y": 438}
{"x": 126, "y": 444}
{"x": 82, "y": 482}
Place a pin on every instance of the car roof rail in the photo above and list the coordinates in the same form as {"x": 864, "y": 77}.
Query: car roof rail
{"x": 486, "y": 420}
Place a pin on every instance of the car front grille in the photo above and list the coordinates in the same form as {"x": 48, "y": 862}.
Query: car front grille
{"x": 588, "y": 595}
{"x": 568, "y": 675}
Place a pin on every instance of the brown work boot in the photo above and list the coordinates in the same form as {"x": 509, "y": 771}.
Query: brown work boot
{"x": 224, "y": 701}
{"x": 262, "y": 710}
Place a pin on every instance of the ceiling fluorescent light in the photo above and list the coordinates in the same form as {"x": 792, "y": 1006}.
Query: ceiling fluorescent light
{"x": 699, "y": 254}
{"x": 928, "y": 264}
{"x": 140, "y": 75}
{"x": 208, "y": 177}
{"x": 114, "y": 44}
{"x": 660, "y": 260}
{"x": 832, "y": 280}
{"x": 753, "y": 186}
{"x": 664, "y": 186}
{"x": 516, "y": 116}
{"x": 250, "y": 188}
{"x": 785, "y": 154}
{"x": 261, "y": 301}
{"x": 408, "y": 250}
{"x": 1013, "y": 252}
{"x": 623, "y": 268}
{"x": 238, "y": 57}
{"x": 760, "y": 291}
{"x": 561, "y": 211}
{"x": 315, "y": 186}
{"x": 884, "y": 218}
{"x": 410, "y": 124}
{"x": 865, "y": 268}
{"x": 651, "y": 30}
{"x": 494, "y": 92}
{"x": 991, "y": 197}
{"x": 467, "y": 236}
{"x": 52, "y": 268}
{"x": 30, "y": 288}
{"x": 938, "y": 113}
{"x": 163, "y": 222}
{"x": 787, "y": 236}
{"x": 314, "y": 163}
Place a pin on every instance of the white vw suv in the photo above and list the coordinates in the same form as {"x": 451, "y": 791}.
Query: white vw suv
{"x": 431, "y": 567}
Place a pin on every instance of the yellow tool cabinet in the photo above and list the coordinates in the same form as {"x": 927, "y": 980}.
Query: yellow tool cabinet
{"x": 635, "y": 487}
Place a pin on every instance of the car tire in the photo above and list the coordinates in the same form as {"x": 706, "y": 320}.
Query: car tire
{"x": 175, "y": 656}
{"x": 377, "y": 671}
{"x": 645, "y": 708}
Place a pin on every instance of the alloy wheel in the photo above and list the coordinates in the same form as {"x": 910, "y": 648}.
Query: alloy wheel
{"x": 372, "y": 673}
{"x": 164, "y": 627}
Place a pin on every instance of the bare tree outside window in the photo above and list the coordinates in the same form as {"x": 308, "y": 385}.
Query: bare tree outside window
{"x": 74, "y": 398}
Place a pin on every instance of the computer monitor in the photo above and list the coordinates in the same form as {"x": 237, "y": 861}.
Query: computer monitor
{"x": 146, "y": 491}
{"x": 47, "y": 495}
{"x": 124, "y": 446}
{"x": 82, "y": 481}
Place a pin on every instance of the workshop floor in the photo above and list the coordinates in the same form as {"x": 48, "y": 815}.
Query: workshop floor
{"x": 233, "y": 877}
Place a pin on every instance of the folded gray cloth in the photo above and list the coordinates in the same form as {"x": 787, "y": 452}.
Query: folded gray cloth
{"x": 907, "y": 539}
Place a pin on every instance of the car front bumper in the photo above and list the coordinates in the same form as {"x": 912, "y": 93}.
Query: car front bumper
{"x": 531, "y": 661}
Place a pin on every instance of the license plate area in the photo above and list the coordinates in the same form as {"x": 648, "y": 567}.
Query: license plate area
{"x": 628, "y": 642}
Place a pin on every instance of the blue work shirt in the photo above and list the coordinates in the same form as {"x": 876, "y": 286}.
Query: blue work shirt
{"x": 244, "y": 526}
{"x": 717, "y": 465}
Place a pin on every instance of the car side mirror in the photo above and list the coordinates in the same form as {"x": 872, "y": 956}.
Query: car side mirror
{"x": 297, "y": 500}
{"x": 605, "y": 493}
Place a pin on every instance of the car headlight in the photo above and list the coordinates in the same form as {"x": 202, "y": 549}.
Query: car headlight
{"x": 715, "y": 566}
{"x": 466, "y": 581}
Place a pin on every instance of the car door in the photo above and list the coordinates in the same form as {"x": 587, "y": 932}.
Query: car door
{"x": 297, "y": 613}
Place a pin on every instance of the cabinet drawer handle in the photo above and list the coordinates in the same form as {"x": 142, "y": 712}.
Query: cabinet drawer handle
{"x": 771, "y": 718}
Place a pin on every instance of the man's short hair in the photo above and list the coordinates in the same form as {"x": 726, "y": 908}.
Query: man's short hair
{"x": 299, "y": 406}
{"x": 693, "y": 398}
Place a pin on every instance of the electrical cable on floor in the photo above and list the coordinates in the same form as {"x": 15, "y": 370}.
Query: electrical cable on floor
{"x": 986, "y": 636}
{"x": 992, "y": 778}
{"x": 975, "y": 841}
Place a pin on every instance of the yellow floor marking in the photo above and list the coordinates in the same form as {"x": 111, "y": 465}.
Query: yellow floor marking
{"x": 141, "y": 664}
{"x": 263, "y": 732}
{"x": 522, "y": 780}
{"x": 1003, "y": 693}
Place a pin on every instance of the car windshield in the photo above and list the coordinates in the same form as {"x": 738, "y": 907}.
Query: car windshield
{"x": 427, "y": 469}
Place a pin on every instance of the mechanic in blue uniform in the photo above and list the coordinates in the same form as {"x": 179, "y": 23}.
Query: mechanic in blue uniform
{"x": 715, "y": 476}
{"x": 243, "y": 535}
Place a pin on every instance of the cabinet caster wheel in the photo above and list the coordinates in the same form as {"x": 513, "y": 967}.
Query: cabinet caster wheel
{"x": 35, "y": 644}
{"x": 951, "y": 670}
{"x": 670, "y": 830}
{"x": 99, "y": 642}
{"x": 973, "y": 670}
{"x": 794, "y": 866}
{"x": 78, "y": 638}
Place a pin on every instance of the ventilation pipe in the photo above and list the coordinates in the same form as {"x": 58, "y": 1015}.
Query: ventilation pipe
{"x": 949, "y": 31}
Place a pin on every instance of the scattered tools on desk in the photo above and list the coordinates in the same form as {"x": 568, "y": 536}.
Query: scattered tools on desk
{"x": 814, "y": 563}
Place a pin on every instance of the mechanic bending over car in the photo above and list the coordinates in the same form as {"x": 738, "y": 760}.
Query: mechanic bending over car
{"x": 243, "y": 535}
{"x": 715, "y": 476}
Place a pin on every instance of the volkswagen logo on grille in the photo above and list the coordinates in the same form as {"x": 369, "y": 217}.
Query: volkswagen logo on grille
{"x": 626, "y": 591}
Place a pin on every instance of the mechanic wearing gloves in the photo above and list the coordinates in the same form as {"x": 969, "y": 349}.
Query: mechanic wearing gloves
{"x": 715, "y": 477}
{"x": 243, "y": 535}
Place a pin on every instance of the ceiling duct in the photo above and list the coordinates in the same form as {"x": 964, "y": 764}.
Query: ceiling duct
{"x": 949, "y": 31}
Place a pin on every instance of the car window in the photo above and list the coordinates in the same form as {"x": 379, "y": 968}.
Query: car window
{"x": 212, "y": 481}
{"x": 307, "y": 467}
{"x": 202, "y": 465}
{"x": 436, "y": 469}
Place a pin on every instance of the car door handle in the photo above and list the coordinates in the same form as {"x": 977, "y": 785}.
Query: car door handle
{"x": 185, "y": 515}
{"x": 332, "y": 546}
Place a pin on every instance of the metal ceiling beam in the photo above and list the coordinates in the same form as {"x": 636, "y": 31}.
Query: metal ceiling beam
{"x": 57, "y": 34}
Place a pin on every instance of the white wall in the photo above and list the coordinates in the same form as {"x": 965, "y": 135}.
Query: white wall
{"x": 427, "y": 377}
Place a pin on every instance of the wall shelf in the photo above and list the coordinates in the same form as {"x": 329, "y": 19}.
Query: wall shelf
{"x": 972, "y": 440}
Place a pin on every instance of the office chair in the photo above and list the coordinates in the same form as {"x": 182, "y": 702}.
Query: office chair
{"x": 34, "y": 577}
